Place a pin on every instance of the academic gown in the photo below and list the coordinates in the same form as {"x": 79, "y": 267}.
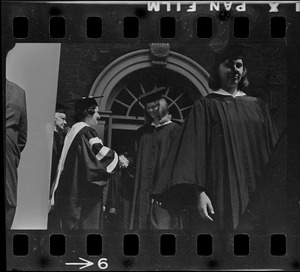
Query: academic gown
{"x": 120, "y": 193}
{"x": 153, "y": 149}
{"x": 58, "y": 141}
{"x": 77, "y": 198}
{"x": 222, "y": 150}
{"x": 56, "y": 152}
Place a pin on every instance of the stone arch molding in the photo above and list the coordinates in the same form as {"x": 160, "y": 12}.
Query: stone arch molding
{"x": 133, "y": 61}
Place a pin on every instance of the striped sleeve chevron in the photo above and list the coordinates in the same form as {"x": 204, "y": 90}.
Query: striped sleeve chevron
{"x": 105, "y": 155}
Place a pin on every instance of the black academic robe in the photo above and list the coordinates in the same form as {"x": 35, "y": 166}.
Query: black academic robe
{"x": 56, "y": 152}
{"x": 223, "y": 148}
{"x": 120, "y": 194}
{"x": 77, "y": 198}
{"x": 58, "y": 142}
{"x": 153, "y": 150}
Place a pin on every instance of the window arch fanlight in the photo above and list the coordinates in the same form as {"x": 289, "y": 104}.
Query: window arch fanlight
{"x": 127, "y": 91}
{"x": 109, "y": 82}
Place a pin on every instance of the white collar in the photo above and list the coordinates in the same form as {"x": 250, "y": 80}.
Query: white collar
{"x": 160, "y": 125}
{"x": 223, "y": 92}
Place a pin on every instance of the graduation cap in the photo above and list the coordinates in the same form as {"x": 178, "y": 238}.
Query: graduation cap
{"x": 61, "y": 107}
{"x": 155, "y": 94}
{"x": 85, "y": 102}
{"x": 230, "y": 52}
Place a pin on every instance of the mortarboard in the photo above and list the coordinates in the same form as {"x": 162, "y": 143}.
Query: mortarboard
{"x": 155, "y": 94}
{"x": 85, "y": 102}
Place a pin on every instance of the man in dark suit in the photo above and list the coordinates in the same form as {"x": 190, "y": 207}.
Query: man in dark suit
{"x": 58, "y": 137}
{"x": 16, "y": 137}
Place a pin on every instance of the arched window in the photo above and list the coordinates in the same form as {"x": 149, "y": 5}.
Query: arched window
{"x": 180, "y": 93}
{"x": 126, "y": 78}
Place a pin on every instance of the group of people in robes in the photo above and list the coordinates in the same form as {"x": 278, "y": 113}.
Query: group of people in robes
{"x": 199, "y": 175}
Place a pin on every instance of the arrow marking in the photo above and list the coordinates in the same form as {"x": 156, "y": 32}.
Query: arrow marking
{"x": 84, "y": 265}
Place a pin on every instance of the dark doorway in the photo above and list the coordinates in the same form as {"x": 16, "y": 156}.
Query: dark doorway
{"x": 123, "y": 140}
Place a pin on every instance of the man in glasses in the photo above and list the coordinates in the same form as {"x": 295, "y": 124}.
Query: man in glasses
{"x": 60, "y": 122}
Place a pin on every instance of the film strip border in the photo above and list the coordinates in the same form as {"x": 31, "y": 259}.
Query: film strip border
{"x": 167, "y": 244}
{"x": 46, "y": 251}
{"x": 131, "y": 27}
{"x": 106, "y": 22}
{"x": 31, "y": 22}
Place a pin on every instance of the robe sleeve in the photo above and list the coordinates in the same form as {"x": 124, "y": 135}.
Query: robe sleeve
{"x": 271, "y": 134}
{"x": 113, "y": 190}
{"x": 186, "y": 166}
{"x": 101, "y": 160}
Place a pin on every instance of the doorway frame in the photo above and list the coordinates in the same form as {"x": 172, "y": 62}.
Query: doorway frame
{"x": 107, "y": 80}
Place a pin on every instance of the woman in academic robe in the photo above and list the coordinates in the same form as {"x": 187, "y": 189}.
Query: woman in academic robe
{"x": 154, "y": 140}
{"x": 224, "y": 146}
{"x": 84, "y": 167}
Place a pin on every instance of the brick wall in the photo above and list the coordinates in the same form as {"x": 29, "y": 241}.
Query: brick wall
{"x": 80, "y": 65}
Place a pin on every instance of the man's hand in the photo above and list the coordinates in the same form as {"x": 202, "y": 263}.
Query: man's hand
{"x": 204, "y": 205}
{"x": 123, "y": 162}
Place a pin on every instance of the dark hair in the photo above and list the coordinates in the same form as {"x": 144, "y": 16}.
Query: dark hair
{"x": 214, "y": 81}
{"x": 163, "y": 110}
{"x": 81, "y": 114}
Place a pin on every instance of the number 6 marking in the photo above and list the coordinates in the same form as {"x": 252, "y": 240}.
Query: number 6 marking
{"x": 102, "y": 263}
